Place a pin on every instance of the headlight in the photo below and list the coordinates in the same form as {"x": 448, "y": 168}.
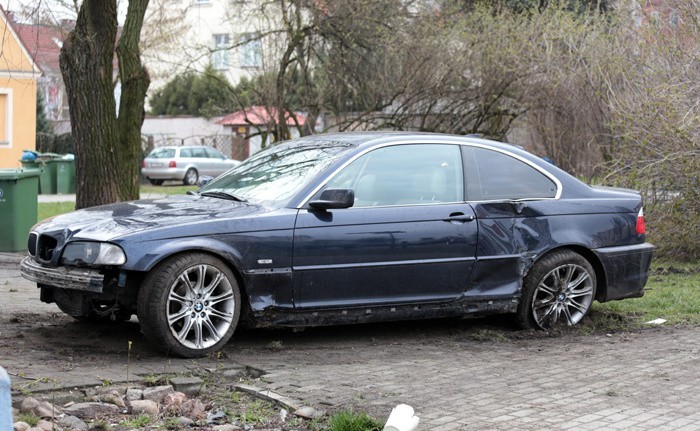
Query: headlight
{"x": 93, "y": 253}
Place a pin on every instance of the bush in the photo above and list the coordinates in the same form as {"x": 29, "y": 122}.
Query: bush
{"x": 349, "y": 421}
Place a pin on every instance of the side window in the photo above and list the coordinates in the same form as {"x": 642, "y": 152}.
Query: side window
{"x": 404, "y": 175}
{"x": 496, "y": 176}
{"x": 199, "y": 152}
{"x": 213, "y": 154}
{"x": 185, "y": 152}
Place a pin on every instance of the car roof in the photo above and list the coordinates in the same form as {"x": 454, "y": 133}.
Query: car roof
{"x": 372, "y": 138}
{"x": 179, "y": 147}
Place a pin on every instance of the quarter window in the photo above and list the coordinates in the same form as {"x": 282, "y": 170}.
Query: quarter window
{"x": 492, "y": 175}
{"x": 404, "y": 175}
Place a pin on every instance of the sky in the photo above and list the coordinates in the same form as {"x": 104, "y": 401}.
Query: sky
{"x": 56, "y": 9}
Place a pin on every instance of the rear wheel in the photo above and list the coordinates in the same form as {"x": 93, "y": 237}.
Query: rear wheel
{"x": 191, "y": 177}
{"x": 558, "y": 290}
{"x": 189, "y": 305}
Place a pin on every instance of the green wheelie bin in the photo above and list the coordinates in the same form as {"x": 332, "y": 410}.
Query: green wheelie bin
{"x": 18, "y": 206}
{"x": 65, "y": 176}
{"x": 47, "y": 179}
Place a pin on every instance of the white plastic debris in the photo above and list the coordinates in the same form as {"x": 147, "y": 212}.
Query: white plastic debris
{"x": 658, "y": 321}
{"x": 402, "y": 419}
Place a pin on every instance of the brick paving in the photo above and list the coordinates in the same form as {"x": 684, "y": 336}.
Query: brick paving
{"x": 648, "y": 380}
{"x": 644, "y": 381}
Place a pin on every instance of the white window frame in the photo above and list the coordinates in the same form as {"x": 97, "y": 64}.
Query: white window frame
{"x": 220, "y": 56}
{"x": 8, "y": 118}
{"x": 250, "y": 51}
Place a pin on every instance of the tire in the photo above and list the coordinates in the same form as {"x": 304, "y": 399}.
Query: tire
{"x": 73, "y": 303}
{"x": 558, "y": 290}
{"x": 189, "y": 305}
{"x": 191, "y": 177}
{"x": 156, "y": 182}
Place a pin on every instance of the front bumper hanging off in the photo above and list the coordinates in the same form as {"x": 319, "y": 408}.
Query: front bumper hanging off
{"x": 84, "y": 279}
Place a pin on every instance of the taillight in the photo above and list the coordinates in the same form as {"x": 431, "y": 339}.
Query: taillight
{"x": 172, "y": 164}
{"x": 143, "y": 163}
{"x": 640, "y": 228}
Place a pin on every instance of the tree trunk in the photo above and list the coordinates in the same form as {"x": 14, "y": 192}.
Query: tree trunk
{"x": 107, "y": 146}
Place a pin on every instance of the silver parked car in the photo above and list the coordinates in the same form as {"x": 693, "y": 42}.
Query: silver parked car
{"x": 185, "y": 164}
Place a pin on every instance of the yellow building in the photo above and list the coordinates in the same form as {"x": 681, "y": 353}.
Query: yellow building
{"x": 18, "y": 76}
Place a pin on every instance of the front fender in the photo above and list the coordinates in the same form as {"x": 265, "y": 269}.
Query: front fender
{"x": 143, "y": 256}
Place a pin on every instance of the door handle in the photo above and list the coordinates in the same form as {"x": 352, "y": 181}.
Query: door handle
{"x": 459, "y": 218}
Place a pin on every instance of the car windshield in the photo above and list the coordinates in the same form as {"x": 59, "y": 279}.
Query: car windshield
{"x": 275, "y": 175}
{"x": 162, "y": 153}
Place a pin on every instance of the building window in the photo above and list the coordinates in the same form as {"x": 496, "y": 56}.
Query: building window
{"x": 251, "y": 50}
{"x": 5, "y": 117}
{"x": 220, "y": 53}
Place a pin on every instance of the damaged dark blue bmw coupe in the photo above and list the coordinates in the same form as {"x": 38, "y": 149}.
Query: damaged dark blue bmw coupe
{"x": 347, "y": 228}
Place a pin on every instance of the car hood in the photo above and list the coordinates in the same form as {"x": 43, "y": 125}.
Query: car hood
{"x": 109, "y": 222}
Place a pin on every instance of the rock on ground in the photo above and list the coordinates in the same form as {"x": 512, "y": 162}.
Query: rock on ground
{"x": 73, "y": 423}
{"x": 43, "y": 409}
{"x": 308, "y": 413}
{"x": 45, "y": 425}
{"x": 21, "y": 426}
{"x": 157, "y": 393}
{"x": 133, "y": 394}
{"x": 112, "y": 397}
{"x": 91, "y": 410}
{"x": 144, "y": 407}
{"x": 189, "y": 386}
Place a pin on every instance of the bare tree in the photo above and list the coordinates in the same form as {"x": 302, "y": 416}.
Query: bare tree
{"x": 108, "y": 143}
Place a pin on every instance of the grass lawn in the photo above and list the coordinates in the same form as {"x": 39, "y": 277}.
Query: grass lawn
{"x": 174, "y": 188}
{"x": 50, "y": 209}
{"x": 672, "y": 293}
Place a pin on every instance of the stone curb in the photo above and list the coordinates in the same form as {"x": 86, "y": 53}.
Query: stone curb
{"x": 295, "y": 406}
{"x": 8, "y": 259}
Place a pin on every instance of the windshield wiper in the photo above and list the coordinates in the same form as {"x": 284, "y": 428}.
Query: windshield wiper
{"x": 222, "y": 195}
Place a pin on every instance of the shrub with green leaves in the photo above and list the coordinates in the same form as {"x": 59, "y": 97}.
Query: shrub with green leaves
{"x": 350, "y": 421}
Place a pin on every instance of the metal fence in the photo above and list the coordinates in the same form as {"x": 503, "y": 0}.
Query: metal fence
{"x": 229, "y": 145}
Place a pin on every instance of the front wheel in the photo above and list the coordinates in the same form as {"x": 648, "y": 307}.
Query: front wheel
{"x": 189, "y": 305}
{"x": 558, "y": 290}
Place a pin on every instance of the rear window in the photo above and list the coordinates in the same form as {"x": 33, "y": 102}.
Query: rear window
{"x": 162, "y": 153}
{"x": 492, "y": 175}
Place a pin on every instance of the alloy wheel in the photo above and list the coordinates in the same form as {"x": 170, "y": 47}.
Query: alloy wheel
{"x": 200, "y": 306}
{"x": 563, "y": 295}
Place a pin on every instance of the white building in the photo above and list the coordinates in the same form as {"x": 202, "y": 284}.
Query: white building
{"x": 225, "y": 34}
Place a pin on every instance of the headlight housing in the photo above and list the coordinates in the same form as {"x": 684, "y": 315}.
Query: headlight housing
{"x": 82, "y": 253}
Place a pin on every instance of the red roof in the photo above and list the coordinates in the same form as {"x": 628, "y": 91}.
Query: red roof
{"x": 259, "y": 116}
{"x": 43, "y": 44}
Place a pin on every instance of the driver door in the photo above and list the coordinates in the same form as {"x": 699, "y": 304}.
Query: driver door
{"x": 410, "y": 237}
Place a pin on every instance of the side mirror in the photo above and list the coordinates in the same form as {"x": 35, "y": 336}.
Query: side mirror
{"x": 204, "y": 180}
{"x": 334, "y": 199}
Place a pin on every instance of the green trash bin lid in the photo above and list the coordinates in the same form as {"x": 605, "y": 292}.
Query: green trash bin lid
{"x": 16, "y": 174}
